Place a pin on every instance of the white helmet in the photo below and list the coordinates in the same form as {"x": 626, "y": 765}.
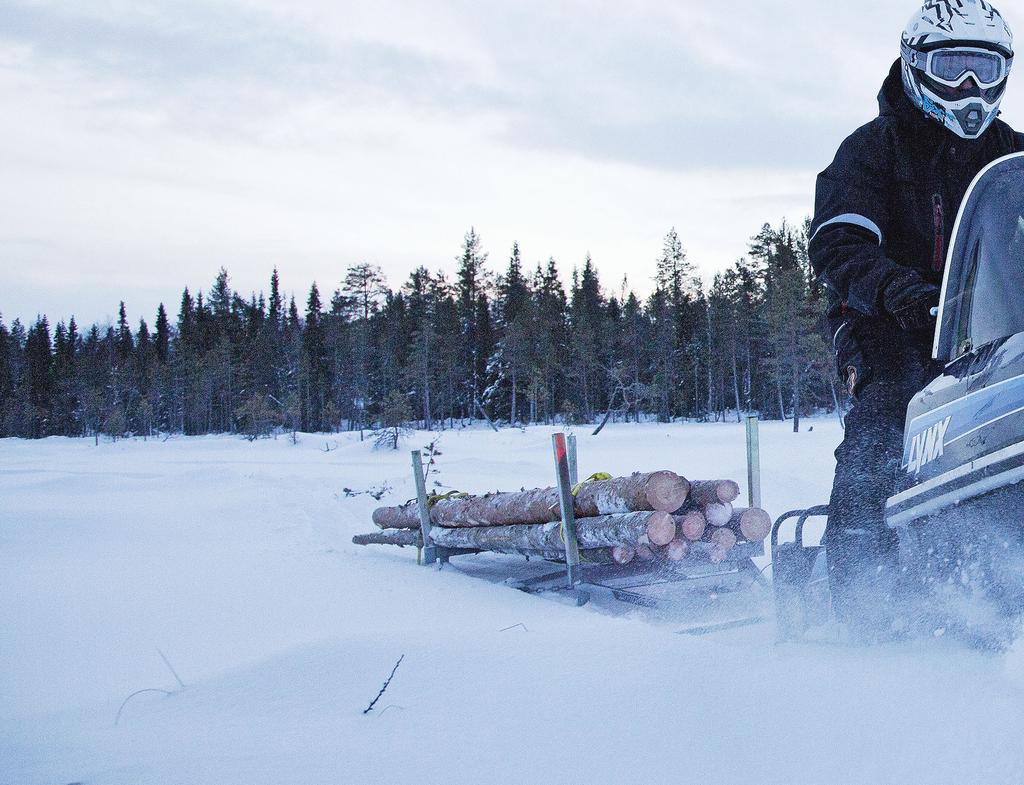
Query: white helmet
{"x": 946, "y": 44}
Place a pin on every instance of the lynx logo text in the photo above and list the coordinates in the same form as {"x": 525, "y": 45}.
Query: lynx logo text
{"x": 927, "y": 446}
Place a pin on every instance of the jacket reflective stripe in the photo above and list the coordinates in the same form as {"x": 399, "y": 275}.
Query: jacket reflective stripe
{"x": 835, "y": 338}
{"x": 854, "y": 220}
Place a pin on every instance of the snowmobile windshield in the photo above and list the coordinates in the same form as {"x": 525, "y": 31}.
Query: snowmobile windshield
{"x": 984, "y": 291}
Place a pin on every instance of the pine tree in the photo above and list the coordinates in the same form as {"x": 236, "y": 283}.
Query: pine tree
{"x": 472, "y": 317}
{"x": 586, "y": 316}
{"x": 6, "y": 376}
{"x": 275, "y": 309}
{"x": 313, "y": 365}
{"x": 550, "y": 342}
{"x": 513, "y": 353}
{"x": 163, "y": 335}
{"x": 420, "y": 293}
{"x": 124, "y": 334}
{"x": 219, "y": 299}
{"x": 364, "y": 284}
{"x": 39, "y": 377}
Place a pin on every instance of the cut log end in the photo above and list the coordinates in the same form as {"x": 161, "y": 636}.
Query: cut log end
{"x": 677, "y": 550}
{"x": 661, "y": 528}
{"x": 718, "y": 514}
{"x": 623, "y": 554}
{"x": 645, "y": 553}
{"x": 399, "y": 537}
{"x": 404, "y": 517}
{"x": 724, "y": 539}
{"x": 728, "y": 491}
{"x": 755, "y": 524}
{"x": 666, "y": 491}
{"x": 705, "y": 492}
{"x": 692, "y": 526}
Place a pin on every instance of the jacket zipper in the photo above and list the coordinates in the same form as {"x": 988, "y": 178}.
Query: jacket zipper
{"x": 938, "y": 219}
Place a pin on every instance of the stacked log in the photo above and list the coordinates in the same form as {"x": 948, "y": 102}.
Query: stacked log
{"x": 703, "y": 493}
{"x": 753, "y": 525}
{"x": 654, "y": 492}
{"x": 718, "y": 514}
{"x": 692, "y": 525}
{"x": 399, "y": 537}
{"x": 623, "y": 554}
{"x": 645, "y": 553}
{"x": 709, "y": 516}
{"x": 606, "y": 531}
{"x": 642, "y": 518}
{"x": 677, "y": 550}
{"x": 722, "y": 541}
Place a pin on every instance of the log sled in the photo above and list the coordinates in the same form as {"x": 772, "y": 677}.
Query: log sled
{"x": 630, "y": 532}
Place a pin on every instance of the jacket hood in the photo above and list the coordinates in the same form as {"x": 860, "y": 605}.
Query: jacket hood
{"x": 892, "y": 99}
{"x": 894, "y": 103}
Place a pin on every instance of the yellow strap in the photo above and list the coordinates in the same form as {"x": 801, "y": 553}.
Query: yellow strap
{"x": 432, "y": 500}
{"x": 592, "y": 478}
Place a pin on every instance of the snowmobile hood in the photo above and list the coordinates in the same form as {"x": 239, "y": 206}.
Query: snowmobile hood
{"x": 963, "y": 435}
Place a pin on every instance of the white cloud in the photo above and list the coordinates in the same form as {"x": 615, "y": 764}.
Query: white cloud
{"x": 150, "y": 143}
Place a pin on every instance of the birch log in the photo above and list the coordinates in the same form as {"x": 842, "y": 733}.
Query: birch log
{"x": 722, "y": 541}
{"x": 753, "y": 525}
{"x": 406, "y": 538}
{"x": 692, "y": 525}
{"x": 705, "y": 492}
{"x": 399, "y": 537}
{"x": 405, "y": 517}
{"x": 623, "y": 554}
{"x": 718, "y": 514}
{"x": 598, "y": 532}
{"x": 677, "y": 550}
{"x": 645, "y": 553}
{"x": 656, "y": 492}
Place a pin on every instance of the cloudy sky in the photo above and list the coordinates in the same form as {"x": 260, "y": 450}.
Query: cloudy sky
{"x": 145, "y": 144}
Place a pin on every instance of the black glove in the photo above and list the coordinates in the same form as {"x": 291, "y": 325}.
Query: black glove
{"x": 911, "y": 301}
{"x": 851, "y": 341}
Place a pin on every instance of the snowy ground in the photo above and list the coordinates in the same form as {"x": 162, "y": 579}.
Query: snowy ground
{"x": 233, "y": 558}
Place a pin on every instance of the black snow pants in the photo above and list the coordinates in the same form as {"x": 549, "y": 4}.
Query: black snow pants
{"x": 862, "y": 551}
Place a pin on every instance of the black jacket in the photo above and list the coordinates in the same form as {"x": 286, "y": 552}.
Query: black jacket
{"x": 884, "y": 214}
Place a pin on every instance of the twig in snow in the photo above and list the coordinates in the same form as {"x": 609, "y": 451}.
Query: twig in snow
{"x": 117, "y": 719}
{"x": 170, "y": 667}
{"x": 392, "y": 706}
{"x": 174, "y": 673}
{"x": 514, "y": 626}
{"x": 382, "y": 689}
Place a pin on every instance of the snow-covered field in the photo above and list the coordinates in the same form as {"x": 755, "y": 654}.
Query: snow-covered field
{"x": 233, "y": 559}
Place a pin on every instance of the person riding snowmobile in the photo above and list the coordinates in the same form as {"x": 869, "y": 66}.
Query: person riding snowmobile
{"x": 884, "y": 214}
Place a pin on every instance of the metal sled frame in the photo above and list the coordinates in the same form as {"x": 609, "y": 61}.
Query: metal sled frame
{"x": 629, "y": 583}
{"x": 798, "y": 597}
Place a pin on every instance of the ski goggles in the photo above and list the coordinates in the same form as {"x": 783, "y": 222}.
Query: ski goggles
{"x": 950, "y": 67}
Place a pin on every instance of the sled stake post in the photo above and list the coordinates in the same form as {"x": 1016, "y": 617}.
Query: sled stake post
{"x": 431, "y": 553}
{"x": 574, "y": 474}
{"x": 567, "y": 503}
{"x": 753, "y": 462}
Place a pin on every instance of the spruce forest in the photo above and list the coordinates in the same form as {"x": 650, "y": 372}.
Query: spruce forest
{"x": 499, "y": 341}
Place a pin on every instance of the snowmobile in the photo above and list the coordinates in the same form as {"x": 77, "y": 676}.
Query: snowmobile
{"x": 959, "y": 506}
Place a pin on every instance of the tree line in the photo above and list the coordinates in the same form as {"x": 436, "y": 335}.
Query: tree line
{"x": 513, "y": 345}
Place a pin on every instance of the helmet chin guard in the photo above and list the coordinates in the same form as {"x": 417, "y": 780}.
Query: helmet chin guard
{"x": 956, "y": 58}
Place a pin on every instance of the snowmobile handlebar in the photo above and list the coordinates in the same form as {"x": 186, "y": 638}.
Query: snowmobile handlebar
{"x": 801, "y": 516}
